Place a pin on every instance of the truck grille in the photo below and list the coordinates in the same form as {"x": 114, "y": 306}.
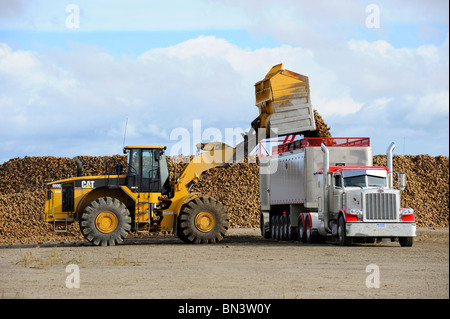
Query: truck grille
{"x": 381, "y": 206}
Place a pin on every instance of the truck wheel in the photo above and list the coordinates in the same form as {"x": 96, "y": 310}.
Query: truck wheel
{"x": 203, "y": 220}
{"x": 406, "y": 241}
{"x": 277, "y": 227}
{"x": 284, "y": 227}
{"x": 289, "y": 235}
{"x": 301, "y": 229}
{"x": 308, "y": 236}
{"x": 272, "y": 227}
{"x": 342, "y": 237}
{"x": 280, "y": 227}
{"x": 265, "y": 230}
{"x": 106, "y": 221}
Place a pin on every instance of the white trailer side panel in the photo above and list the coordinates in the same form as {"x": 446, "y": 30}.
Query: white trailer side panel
{"x": 264, "y": 183}
{"x": 294, "y": 180}
{"x": 286, "y": 184}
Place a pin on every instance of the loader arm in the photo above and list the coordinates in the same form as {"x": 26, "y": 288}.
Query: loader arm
{"x": 215, "y": 154}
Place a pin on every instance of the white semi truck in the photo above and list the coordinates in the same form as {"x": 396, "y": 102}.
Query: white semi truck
{"x": 322, "y": 188}
{"x": 328, "y": 189}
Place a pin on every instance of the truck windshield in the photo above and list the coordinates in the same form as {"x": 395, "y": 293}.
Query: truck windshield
{"x": 365, "y": 181}
{"x": 376, "y": 181}
{"x": 355, "y": 181}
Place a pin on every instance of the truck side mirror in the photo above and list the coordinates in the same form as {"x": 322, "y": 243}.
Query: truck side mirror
{"x": 402, "y": 181}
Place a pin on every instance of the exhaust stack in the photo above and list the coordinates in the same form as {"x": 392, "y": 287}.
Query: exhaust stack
{"x": 389, "y": 164}
{"x": 79, "y": 167}
{"x": 326, "y": 169}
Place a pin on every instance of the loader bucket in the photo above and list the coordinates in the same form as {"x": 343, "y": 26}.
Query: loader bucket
{"x": 283, "y": 101}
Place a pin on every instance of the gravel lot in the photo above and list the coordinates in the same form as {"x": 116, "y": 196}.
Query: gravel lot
{"x": 243, "y": 265}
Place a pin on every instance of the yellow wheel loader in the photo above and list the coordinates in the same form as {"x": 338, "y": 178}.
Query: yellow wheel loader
{"x": 143, "y": 199}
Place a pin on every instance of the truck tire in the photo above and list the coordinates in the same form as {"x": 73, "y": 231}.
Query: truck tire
{"x": 290, "y": 235}
{"x": 275, "y": 227}
{"x": 406, "y": 241}
{"x": 203, "y": 220}
{"x": 308, "y": 235}
{"x": 272, "y": 227}
{"x": 278, "y": 227}
{"x": 343, "y": 240}
{"x": 106, "y": 221}
{"x": 265, "y": 230}
{"x": 284, "y": 227}
{"x": 301, "y": 229}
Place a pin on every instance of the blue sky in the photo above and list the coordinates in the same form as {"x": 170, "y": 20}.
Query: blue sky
{"x": 165, "y": 64}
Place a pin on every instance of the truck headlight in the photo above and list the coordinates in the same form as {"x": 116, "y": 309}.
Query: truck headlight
{"x": 406, "y": 211}
{"x": 355, "y": 211}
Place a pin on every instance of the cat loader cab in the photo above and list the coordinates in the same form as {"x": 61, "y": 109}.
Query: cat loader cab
{"x": 147, "y": 169}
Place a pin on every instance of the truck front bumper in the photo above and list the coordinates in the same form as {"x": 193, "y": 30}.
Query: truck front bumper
{"x": 381, "y": 229}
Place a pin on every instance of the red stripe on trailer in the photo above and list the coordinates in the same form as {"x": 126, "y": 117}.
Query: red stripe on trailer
{"x": 333, "y": 169}
{"x": 289, "y": 144}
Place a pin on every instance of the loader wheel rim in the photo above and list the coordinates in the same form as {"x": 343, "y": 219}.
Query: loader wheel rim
{"x": 205, "y": 221}
{"x": 106, "y": 222}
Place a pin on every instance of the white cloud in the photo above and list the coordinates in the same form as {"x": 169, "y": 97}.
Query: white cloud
{"x": 430, "y": 110}
{"x": 342, "y": 106}
{"x": 84, "y": 95}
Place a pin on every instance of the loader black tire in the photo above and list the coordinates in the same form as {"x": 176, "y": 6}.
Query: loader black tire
{"x": 106, "y": 221}
{"x": 203, "y": 220}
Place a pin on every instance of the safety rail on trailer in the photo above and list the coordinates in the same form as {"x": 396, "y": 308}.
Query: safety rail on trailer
{"x": 317, "y": 141}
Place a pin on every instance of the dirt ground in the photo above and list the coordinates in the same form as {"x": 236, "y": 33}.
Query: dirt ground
{"x": 243, "y": 265}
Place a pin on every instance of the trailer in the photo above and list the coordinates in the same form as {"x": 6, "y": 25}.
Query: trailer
{"x": 327, "y": 189}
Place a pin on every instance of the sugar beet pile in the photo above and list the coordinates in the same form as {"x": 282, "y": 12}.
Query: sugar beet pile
{"x": 22, "y": 194}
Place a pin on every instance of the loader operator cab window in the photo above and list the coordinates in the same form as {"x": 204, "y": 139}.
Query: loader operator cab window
{"x": 134, "y": 162}
{"x": 143, "y": 171}
{"x": 149, "y": 164}
{"x": 148, "y": 171}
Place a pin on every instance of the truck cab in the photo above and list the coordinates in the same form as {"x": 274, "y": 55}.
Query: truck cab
{"x": 362, "y": 203}
{"x": 352, "y": 181}
{"x": 328, "y": 188}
